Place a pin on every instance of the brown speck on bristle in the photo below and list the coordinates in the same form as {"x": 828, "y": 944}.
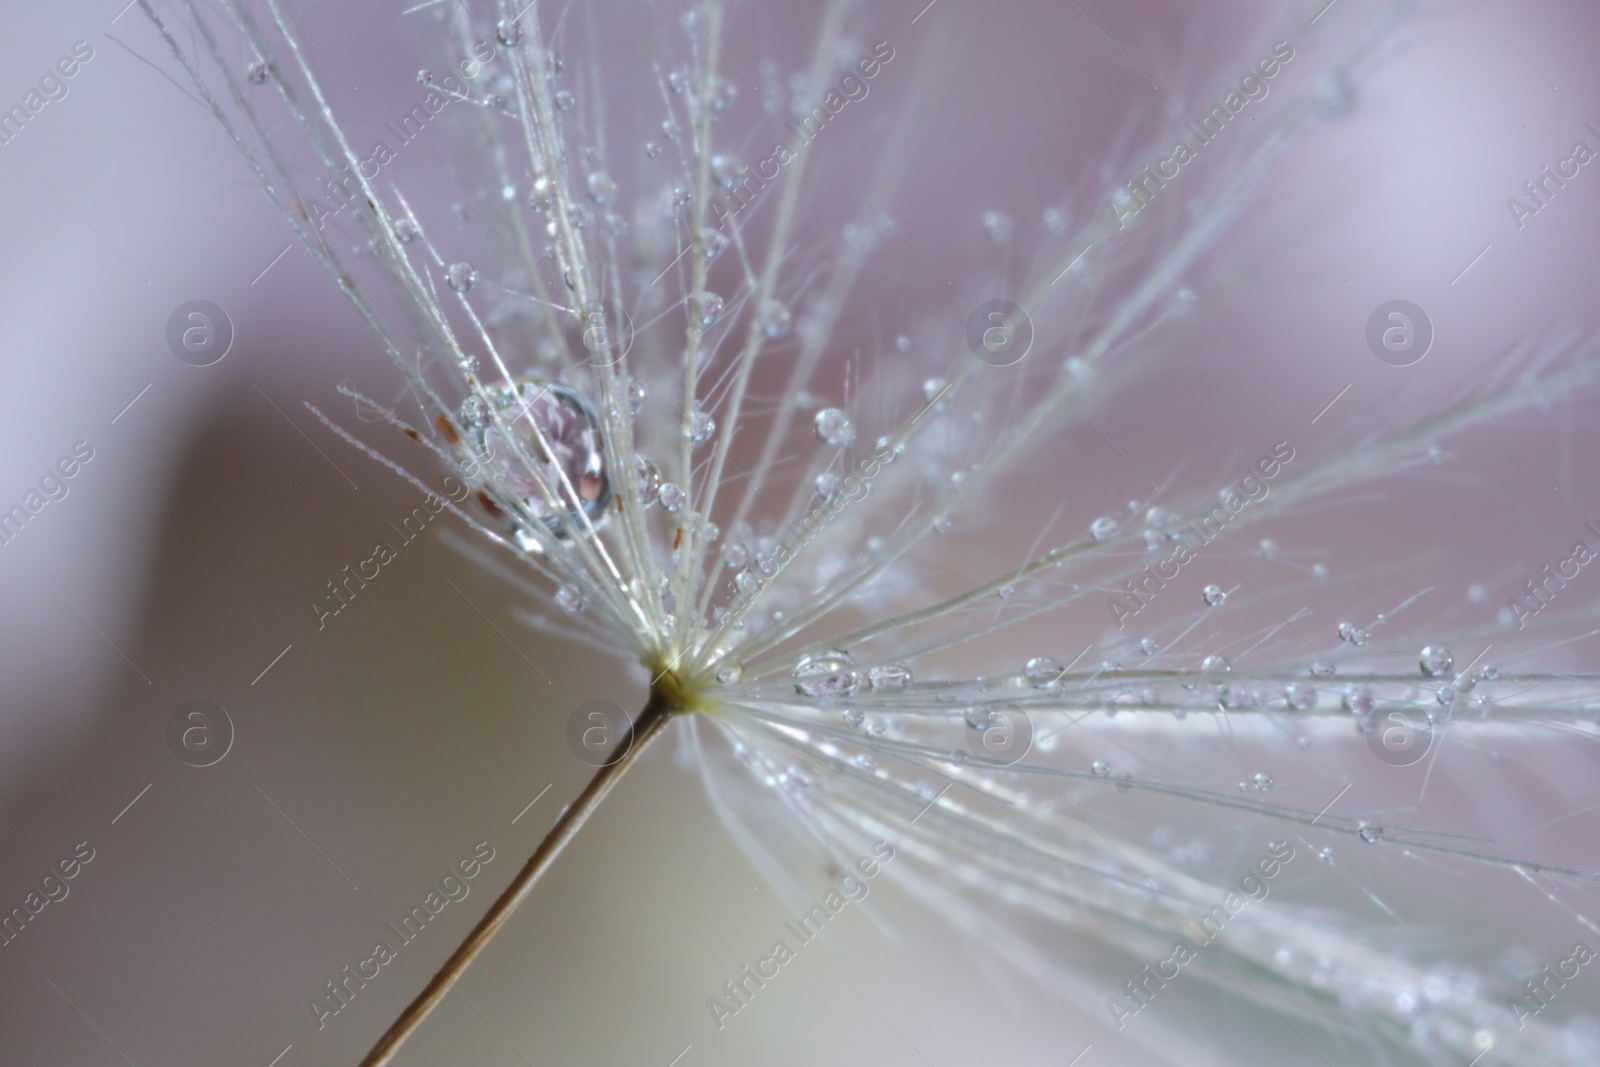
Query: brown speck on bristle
{"x": 677, "y": 538}
{"x": 300, "y": 209}
{"x": 414, "y": 435}
{"x": 448, "y": 429}
{"x": 347, "y": 281}
{"x": 489, "y": 505}
{"x": 618, "y": 499}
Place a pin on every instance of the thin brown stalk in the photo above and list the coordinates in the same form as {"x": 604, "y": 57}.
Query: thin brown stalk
{"x": 650, "y": 723}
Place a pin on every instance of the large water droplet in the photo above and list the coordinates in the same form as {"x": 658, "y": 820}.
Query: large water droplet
{"x": 570, "y": 455}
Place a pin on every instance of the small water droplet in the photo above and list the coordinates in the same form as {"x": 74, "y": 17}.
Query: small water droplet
{"x": 570, "y": 598}
{"x": 461, "y": 276}
{"x": 710, "y": 307}
{"x": 565, "y": 100}
{"x": 826, "y": 674}
{"x": 1300, "y": 697}
{"x": 978, "y": 719}
{"x": 671, "y": 496}
{"x": 652, "y": 149}
{"x": 902, "y": 343}
{"x": 508, "y": 32}
{"x": 940, "y": 524}
{"x": 1055, "y": 221}
{"x": 1216, "y": 663}
{"x": 997, "y": 225}
{"x": 1100, "y": 768}
{"x": 854, "y": 717}
{"x": 1370, "y": 833}
{"x": 1262, "y": 781}
{"x": 649, "y": 479}
{"x": 405, "y": 230}
{"x": 1148, "y": 647}
{"x": 833, "y": 428}
{"x": 1213, "y": 595}
{"x": 256, "y": 73}
{"x": 701, "y": 425}
{"x": 1436, "y": 660}
{"x": 1104, "y": 528}
{"x": 1042, "y": 672}
{"x": 602, "y": 187}
{"x": 775, "y": 318}
{"x": 890, "y": 677}
{"x": 730, "y": 673}
{"x": 1326, "y": 854}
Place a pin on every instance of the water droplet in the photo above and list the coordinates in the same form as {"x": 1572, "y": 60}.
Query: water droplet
{"x": 1319, "y": 572}
{"x": 1351, "y": 633}
{"x": 1104, "y": 528}
{"x": 1436, "y": 660}
{"x": 652, "y": 149}
{"x": 1148, "y": 647}
{"x": 570, "y": 598}
{"x": 735, "y": 556}
{"x": 677, "y": 81}
{"x": 701, "y": 425}
{"x": 567, "y": 461}
{"x": 671, "y": 496}
{"x": 602, "y": 187}
{"x": 890, "y": 677}
{"x": 565, "y": 100}
{"x": 508, "y": 32}
{"x": 997, "y": 225}
{"x": 1326, "y": 854}
{"x": 1100, "y": 768}
{"x": 1042, "y": 672}
{"x": 1488, "y": 672}
{"x": 1262, "y": 781}
{"x": 256, "y": 73}
{"x": 1213, "y": 595}
{"x": 775, "y": 318}
{"x": 730, "y": 673}
{"x": 1371, "y": 833}
{"x": 710, "y": 306}
{"x": 461, "y": 276}
{"x": 1055, "y": 221}
{"x": 854, "y": 717}
{"x": 940, "y": 524}
{"x": 833, "y": 428}
{"x": 1300, "y": 697}
{"x": 826, "y": 674}
{"x": 866, "y": 761}
{"x": 1216, "y": 663}
{"x": 649, "y": 478}
{"x": 978, "y": 719}
{"x": 1269, "y": 548}
{"x": 405, "y": 230}
{"x": 1358, "y": 702}
{"x": 722, "y": 93}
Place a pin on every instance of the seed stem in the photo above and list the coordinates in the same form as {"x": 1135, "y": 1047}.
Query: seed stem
{"x": 657, "y": 712}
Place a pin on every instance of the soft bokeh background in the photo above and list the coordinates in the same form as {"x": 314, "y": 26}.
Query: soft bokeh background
{"x": 380, "y": 750}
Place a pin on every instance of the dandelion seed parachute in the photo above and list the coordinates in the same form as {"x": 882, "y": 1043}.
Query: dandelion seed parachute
{"x": 645, "y": 476}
